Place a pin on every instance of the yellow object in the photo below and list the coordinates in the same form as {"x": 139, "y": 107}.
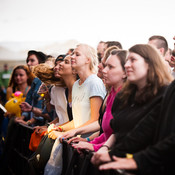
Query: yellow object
{"x": 129, "y": 156}
{"x": 12, "y": 105}
{"x": 42, "y": 95}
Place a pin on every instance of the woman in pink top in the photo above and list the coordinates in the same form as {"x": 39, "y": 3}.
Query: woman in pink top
{"x": 114, "y": 76}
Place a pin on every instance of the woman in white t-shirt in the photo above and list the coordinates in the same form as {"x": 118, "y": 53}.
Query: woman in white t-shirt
{"x": 88, "y": 91}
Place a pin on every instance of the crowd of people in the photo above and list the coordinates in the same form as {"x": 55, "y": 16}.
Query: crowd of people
{"x": 112, "y": 104}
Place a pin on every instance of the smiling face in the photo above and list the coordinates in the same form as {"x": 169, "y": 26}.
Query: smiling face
{"x": 20, "y": 76}
{"x": 136, "y": 69}
{"x": 56, "y": 69}
{"x": 113, "y": 72}
{"x": 65, "y": 67}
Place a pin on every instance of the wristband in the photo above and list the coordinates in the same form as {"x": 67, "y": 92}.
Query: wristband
{"x": 105, "y": 146}
{"x": 60, "y": 128}
{"x": 88, "y": 139}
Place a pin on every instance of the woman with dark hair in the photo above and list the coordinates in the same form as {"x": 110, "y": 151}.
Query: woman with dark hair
{"x": 60, "y": 98}
{"x": 147, "y": 79}
{"x": 35, "y": 57}
{"x": 114, "y": 76}
{"x": 53, "y": 91}
{"x": 33, "y": 98}
{"x": 150, "y": 145}
{"x": 21, "y": 80}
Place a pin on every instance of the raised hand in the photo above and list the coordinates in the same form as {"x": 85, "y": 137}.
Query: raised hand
{"x": 25, "y": 107}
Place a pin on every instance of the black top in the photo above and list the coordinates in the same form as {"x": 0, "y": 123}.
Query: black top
{"x": 101, "y": 113}
{"x": 69, "y": 108}
{"x": 158, "y": 159}
{"x": 126, "y": 119}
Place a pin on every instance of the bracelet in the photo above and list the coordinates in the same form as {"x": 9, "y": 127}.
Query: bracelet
{"x": 105, "y": 146}
{"x": 60, "y": 128}
{"x": 88, "y": 139}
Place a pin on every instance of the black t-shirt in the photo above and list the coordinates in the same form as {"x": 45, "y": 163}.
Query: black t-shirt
{"x": 69, "y": 107}
{"x": 127, "y": 118}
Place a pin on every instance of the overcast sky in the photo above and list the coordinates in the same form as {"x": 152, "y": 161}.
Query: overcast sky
{"x": 88, "y": 21}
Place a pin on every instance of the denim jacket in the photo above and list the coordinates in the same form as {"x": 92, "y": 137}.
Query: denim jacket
{"x": 32, "y": 98}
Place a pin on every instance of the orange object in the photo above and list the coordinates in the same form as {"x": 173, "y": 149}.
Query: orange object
{"x": 35, "y": 140}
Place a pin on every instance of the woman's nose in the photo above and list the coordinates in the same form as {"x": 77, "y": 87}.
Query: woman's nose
{"x": 104, "y": 70}
{"x": 127, "y": 64}
{"x": 61, "y": 63}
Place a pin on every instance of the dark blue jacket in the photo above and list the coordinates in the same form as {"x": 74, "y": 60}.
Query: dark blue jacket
{"x": 32, "y": 98}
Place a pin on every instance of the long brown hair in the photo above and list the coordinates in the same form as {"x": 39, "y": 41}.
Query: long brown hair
{"x": 157, "y": 77}
{"x": 46, "y": 75}
{"x": 108, "y": 51}
{"x": 30, "y": 76}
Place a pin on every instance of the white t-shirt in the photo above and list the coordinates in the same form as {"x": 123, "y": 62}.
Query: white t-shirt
{"x": 81, "y": 94}
{"x": 58, "y": 99}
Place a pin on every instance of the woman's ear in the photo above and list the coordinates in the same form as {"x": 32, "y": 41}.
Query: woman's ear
{"x": 88, "y": 60}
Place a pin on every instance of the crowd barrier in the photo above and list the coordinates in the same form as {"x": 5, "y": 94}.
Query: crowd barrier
{"x": 17, "y": 150}
{"x": 75, "y": 163}
{"x": 18, "y": 154}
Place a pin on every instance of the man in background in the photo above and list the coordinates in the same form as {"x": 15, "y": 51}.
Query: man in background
{"x": 161, "y": 44}
{"x": 4, "y": 80}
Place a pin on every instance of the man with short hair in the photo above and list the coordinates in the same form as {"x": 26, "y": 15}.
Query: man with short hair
{"x": 161, "y": 44}
{"x": 100, "y": 50}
